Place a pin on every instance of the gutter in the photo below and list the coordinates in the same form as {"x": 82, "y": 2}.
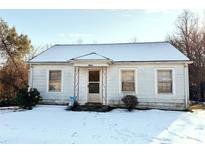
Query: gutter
{"x": 50, "y": 62}
{"x": 114, "y": 62}
{"x": 157, "y": 62}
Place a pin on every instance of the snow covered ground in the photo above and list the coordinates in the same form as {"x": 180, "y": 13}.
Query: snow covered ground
{"x": 52, "y": 124}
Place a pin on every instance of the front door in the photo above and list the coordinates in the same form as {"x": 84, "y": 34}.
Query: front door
{"x": 94, "y": 89}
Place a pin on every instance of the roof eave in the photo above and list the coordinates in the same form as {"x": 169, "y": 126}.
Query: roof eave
{"x": 111, "y": 61}
{"x": 49, "y": 62}
{"x": 158, "y": 61}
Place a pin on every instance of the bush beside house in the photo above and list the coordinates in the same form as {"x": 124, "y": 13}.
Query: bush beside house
{"x": 130, "y": 101}
{"x": 5, "y": 102}
{"x": 28, "y": 98}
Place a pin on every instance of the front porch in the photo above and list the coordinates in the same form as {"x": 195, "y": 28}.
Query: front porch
{"x": 90, "y": 85}
{"x": 90, "y": 78}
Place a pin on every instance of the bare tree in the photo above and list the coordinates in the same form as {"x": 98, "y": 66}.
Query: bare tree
{"x": 79, "y": 41}
{"x": 190, "y": 40}
{"x": 37, "y": 50}
{"x": 95, "y": 42}
{"x": 133, "y": 39}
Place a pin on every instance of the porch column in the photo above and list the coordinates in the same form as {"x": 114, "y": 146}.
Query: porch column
{"x": 76, "y": 82}
{"x": 104, "y": 85}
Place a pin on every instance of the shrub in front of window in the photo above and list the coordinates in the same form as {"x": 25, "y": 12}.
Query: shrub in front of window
{"x": 27, "y": 99}
{"x": 130, "y": 101}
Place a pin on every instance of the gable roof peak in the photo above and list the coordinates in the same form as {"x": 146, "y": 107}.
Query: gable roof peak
{"x": 89, "y": 56}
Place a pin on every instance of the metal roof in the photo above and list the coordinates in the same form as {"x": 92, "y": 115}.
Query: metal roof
{"x": 144, "y": 51}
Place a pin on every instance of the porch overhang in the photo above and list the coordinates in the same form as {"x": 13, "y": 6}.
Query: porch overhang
{"x": 91, "y": 59}
{"x": 91, "y": 63}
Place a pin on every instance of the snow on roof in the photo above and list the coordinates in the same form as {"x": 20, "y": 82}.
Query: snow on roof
{"x": 147, "y": 51}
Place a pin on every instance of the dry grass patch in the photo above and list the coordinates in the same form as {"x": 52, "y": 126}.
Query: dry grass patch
{"x": 197, "y": 106}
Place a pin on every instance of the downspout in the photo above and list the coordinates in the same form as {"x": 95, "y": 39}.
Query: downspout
{"x": 106, "y": 88}
{"x": 103, "y": 98}
{"x": 78, "y": 84}
{"x": 74, "y": 75}
{"x": 186, "y": 85}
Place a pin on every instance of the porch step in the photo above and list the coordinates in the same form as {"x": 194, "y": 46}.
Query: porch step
{"x": 97, "y": 107}
{"x": 94, "y": 104}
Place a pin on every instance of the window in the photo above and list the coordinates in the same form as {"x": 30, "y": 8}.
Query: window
{"x": 164, "y": 79}
{"x": 94, "y": 82}
{"x": 54, "y": 80}
{"x": 128, "y": 80}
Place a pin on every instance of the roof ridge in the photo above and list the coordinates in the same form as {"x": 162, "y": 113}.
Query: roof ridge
{"x": 111, "y": 43}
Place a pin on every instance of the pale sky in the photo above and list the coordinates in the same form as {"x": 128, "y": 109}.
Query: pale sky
{"x": 92, "y": 26}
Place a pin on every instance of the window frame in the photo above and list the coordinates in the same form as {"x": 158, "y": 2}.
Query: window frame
{"x": 173, "y": 81}
{"x": 48, "y": 72}
{"x": 135, "y": 80}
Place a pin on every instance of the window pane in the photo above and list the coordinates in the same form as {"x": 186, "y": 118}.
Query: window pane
{"x": 164, "y": 81}
{"x": 54, "y": 80}
{"x": 128, "y": 86}
{"x": 94, "y": 76}
{"x": 165, "y": 87}
{"x": 94, "y": 88}
{"x": 128, "y": 75}
{"x": 128, "y": 80}
{"x": 55, "y": 75}
{"x": 164, "y": 75}
{"x": 55, "y": 85}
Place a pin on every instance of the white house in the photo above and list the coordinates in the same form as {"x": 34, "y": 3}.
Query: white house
{"x": 156, "y": 72}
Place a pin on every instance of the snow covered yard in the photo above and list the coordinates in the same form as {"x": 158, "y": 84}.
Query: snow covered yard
{"x": 52, "y": 124}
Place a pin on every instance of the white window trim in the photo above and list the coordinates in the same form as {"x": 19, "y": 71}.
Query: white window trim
{"x": 120, "y": 80}
{"x": 173, "y": 82}
{"x": 62, "y": 74}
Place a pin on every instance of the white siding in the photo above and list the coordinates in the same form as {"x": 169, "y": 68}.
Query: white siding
{"x": 40, "y": 81}
{"x": 145, "y": 83}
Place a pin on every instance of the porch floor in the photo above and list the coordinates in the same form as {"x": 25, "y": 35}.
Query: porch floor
{"x": 94, "y": 103}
